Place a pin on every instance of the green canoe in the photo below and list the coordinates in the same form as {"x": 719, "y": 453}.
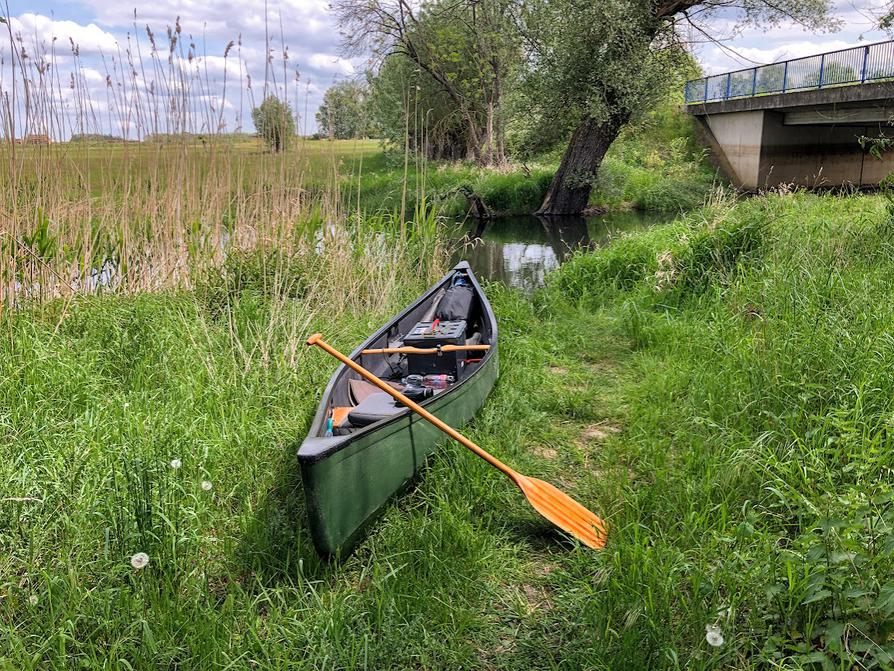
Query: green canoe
{"x": 376, "y": 447}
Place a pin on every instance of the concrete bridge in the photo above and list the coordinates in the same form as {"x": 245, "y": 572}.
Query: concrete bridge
{"x": 800, "y": 121}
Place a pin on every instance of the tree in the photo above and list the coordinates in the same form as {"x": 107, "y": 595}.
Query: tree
{"x": 274, "y": 122}
{"x": 833, "y": 73}
{"x": 593, "y": 65}
{"x": 344, "y": 114}
{"x": 411, "y": 109}
{"x": 464, "y": 47}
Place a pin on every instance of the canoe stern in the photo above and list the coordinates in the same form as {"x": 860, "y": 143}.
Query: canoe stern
{"x": 347, "y": 488}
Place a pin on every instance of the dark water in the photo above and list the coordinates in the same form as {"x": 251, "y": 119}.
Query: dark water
{"x": 520, "y": 251}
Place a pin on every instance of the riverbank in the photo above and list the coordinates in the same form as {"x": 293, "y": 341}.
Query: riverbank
{"x": 718, "y": 388}
{"x": 656, "y": 165}
{"x": 750, "y": 478}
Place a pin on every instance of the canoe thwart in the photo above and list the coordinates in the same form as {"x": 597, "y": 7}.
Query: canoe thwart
{"x": 415, "y": 350}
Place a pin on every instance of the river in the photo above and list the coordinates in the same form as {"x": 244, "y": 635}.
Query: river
{"x": 520, "y": 251}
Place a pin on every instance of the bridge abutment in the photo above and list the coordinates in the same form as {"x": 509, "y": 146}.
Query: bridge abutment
{"x": 809, "y": 139}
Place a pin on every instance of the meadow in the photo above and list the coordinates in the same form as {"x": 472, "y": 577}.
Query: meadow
{"x": 718, "y": 388}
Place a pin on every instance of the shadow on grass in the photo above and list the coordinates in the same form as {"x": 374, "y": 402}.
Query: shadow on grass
{"x": 540, "y": 534}
{"x": 277, "y": 547}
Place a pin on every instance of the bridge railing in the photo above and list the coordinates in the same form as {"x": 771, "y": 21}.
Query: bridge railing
{"x": 856, "y": 65}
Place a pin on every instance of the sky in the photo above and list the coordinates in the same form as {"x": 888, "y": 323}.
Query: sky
{"x": 756, "y": 46}
{"x": 127, "y": 94}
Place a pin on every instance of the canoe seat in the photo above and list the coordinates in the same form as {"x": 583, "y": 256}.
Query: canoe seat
{"x": 360, "y": 389}
{"x": 373, "y": 408}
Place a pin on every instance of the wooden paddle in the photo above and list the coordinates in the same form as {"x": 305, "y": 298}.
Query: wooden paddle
{"x": 427, "y": 350}
{"x": 553, "y": 504}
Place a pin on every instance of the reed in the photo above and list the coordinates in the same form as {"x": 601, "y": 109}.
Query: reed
{"x": 158, "y": 187}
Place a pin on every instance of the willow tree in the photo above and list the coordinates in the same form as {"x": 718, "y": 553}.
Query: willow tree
{"x": 466, "y": 48}
{"x": 592, "y": 65}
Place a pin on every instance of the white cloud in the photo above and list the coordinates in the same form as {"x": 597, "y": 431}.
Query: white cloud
{"x": 42, "y": 29}
{"x": 756, "y": 45}
{"x": 333, "y": 64}
{"x": 715, "y": 60}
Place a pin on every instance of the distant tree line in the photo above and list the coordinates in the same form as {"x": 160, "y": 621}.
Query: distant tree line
{"x": 346, "y": 112}
{"x": 96, "y": 138}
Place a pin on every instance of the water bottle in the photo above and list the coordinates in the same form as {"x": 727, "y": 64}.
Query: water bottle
{"x": 437, "y": 381}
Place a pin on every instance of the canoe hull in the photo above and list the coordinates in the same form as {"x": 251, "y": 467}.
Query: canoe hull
{"x": 348, "y": 490}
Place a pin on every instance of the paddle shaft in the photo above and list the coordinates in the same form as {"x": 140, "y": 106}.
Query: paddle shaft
{"x": 427, "y": 350}
{"x": 317, "y": 340}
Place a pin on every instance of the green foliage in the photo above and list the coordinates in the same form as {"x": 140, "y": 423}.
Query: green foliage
{"x": 274, "y": 123}
{"x": 680, "y": 260}
{"x": 400, "y": 90}
{"x": 445, "y": 70}
{"x": 832, "y": 73}
{"x": 656, "y": 164}
{"x": 733, "y": 425}
{"x": 568, "y": 38}
{"x": 344, "y": 113}
{"x": 843, "y": 610}
{"x": 757, "y": 438}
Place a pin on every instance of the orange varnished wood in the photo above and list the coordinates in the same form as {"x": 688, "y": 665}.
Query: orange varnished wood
{"x": 552, "y": 503}
{"x": 427, "y": 350}
{"x": 339, "y": 414}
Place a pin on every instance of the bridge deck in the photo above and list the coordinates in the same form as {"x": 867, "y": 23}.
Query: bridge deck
{"x": 841, "y": 104}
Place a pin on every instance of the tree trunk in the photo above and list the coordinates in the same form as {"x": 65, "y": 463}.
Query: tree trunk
{"x": 573, "y": 181}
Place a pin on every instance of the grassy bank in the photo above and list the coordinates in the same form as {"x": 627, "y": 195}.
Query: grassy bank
{"x": 718, "y": 388}
{"x": 750, "y": 483}
{"x": 656, "y": 165}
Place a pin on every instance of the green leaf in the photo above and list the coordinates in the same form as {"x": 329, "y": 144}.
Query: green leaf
{"x": 855, "y": 592}
{"x": 834, "y": 630}
{"x": 841, "y": 557}
{"x": 885, "y": 601}
{"x": 818, "y": 596}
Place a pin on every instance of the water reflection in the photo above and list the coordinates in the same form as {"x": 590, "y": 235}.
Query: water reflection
{"x": 520, "y": 251}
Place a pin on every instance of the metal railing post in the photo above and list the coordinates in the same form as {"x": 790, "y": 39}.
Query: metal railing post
{"x": 753, "y": 81}
{"x": 822, "y": 70}
{"x": 784, "y": 76}
{"x": 865, "y": 60}
{"x": 705, "y": 99}
{"x": 729, "y": 81}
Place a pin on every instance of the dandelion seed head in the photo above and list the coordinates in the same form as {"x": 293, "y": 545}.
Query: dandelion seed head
{"x": 139, "y": 560}
{"x": 175, "y": 464}
{"x": 206, "y": 485}
{"x": 713, "y": 635}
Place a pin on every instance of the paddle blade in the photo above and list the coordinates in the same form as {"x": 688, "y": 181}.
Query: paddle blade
{"x": 563, "y": 511}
